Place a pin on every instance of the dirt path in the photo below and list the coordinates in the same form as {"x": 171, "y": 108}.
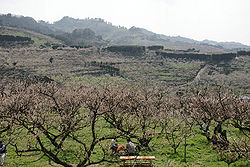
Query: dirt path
{"x": 198, "y": 76}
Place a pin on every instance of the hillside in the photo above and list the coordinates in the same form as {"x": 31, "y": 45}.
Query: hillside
{"x": 163, "y": 67}
{"x": 139, "y": 36}
{"x": 134, "y": 36}
{"x": 113, "y": 66}
{"x": 226, "y": 45}
{"x": 118, "y": 35}
{"x": 82, "y": 37}
{"x": 27, "y": 23}
{"x": 39, "y": 39}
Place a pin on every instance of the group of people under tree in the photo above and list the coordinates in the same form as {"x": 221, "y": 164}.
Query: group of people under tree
{"x": 220, "y": 141}
{"x": 129, "y": 149}
{"x": 219, "y": 137}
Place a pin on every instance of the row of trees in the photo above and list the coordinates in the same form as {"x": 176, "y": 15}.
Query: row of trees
{"x": 14, "y": 38}
{"x": 80, "y": 120}
{"x": 24, "y": 22}
{"x": 81, "y": 38}
{"x": 127, "y": 50}
{"x": 10, "y": 41}
{"x": 213, "y": 58}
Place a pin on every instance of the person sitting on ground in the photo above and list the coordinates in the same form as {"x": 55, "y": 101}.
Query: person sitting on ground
{"x": 223, "y": 135}
{"x": 224, "y": 142}
{"x": 120, "y": 148}
{"x": 218, "y": 128}
{"x": 215, "y": 141}
{"x": 113, "y": 146}
{"x": 205, "y": 127}
{"x": 130, "y": 147}
{"x": 2, "y": 152}
{"x": 215, "y": 138}
{"x": 137, "y": 148}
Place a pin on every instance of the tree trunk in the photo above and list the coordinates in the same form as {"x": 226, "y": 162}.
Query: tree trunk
{"x": 185, "y": 144}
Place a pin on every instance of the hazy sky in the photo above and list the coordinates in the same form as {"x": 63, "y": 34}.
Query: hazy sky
{"x": 219, "y": 20}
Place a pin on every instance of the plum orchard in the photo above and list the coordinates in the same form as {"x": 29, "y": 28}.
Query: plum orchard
{"x": 68, "y": 124}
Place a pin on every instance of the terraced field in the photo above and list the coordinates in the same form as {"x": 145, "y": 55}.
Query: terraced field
{"x": 93, "y": 65}
{"x": 97, "y": 66}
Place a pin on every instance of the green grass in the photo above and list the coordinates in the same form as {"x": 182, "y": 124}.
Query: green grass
{"x": 37, "y": 38}
{"x": 199, "y": 153}
{"x": 166, "y": 74}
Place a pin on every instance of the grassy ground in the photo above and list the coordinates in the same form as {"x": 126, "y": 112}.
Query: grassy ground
{"x": 199, "y": 154}
{"x": 38, "y": 39}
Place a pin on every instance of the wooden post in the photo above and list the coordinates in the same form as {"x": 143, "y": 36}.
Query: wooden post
{"x": 185, "y": 139}
{"x": 185, "y": 143}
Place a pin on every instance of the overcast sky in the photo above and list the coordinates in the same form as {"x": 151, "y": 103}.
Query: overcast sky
{"x": 219, "y": 20}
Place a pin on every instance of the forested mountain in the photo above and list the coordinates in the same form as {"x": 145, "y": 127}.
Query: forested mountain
{"x": 81, "y": 37}
{"x": 24, "y": 22}
{"x": 116, "y": 35}
{"x": 139, "y": 36}
{"x": 227, "y": 45}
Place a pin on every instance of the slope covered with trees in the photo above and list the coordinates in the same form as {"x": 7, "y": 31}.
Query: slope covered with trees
{"x": 27, "y": 23}
{"x": 61, "y": 106}
{"x": 81, "y": 37}
{"x": 117, "y": 35}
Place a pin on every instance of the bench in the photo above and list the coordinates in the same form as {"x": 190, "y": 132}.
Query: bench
{"x": 137, "y": 160}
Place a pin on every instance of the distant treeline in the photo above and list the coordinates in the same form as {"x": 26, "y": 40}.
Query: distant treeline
{"x": 243, "y": 53}
{"x": 129, "y": 50}
{"x": 202, "y": 57}
{"x": 155, "y": 47}
{"x": 9, "y": 41}
{"x": 14, "y": 38}
{"x": 113, "y": 71}
{"x": 27, "y": 23}
{"x": 81, "y": 38}
{"x": 102, "y": 69}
